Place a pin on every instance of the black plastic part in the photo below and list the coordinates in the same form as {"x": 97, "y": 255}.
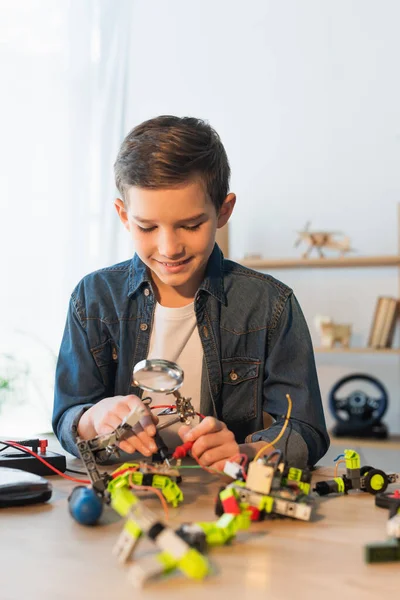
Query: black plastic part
{"x": 195, "y": 540}
{"x": 322, "y": 488}
{"x": 17, "y": 460}
{"x": 219, "y": 509}
{"x": 147, "y": 479}
{"x": 155, "y": 530}
{"x": 384, "y": 552}
{"x": 161, "y": 447}
{"x": 387, "y": 500}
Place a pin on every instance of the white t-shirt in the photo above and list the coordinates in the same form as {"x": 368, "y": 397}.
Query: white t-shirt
{"x": 175, "y": 337}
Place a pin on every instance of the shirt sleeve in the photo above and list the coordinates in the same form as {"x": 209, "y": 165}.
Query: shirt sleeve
{"x": 78, "y": 381}
{"x": 290, "y": 369}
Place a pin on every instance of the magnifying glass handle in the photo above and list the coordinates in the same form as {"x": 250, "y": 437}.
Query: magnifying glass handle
{"x": 168, "y": 423}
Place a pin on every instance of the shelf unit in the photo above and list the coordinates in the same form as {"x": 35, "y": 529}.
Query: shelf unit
{"x": 367, "y": 350}
{"x": 340, "y": 262}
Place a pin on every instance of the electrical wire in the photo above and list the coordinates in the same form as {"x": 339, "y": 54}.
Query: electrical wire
{"x": 9, "y": 446}
{"x": 28, "y": 451}
{"x": 337, "y": 465}
{"x": 73, "y": 471}
{"x": 278, "y": 437}
{"x": 148, "y": 488}
{"x": 287, "y": 439}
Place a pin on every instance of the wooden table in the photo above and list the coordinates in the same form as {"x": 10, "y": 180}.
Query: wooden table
{"x": 46, "y": 555}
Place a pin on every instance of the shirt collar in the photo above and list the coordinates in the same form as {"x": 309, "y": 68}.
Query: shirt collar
{"x": 213, "y": 282}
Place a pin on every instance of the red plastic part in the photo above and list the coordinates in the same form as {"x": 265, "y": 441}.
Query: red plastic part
{"x": 42, "y": 446}
{"x": 231, "y": 506}
{"x": 183, "y": 450}
{"x": 254, "y": 513}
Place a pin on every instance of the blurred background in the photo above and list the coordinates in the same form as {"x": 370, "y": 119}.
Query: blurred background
{"x": 305, "y": 96}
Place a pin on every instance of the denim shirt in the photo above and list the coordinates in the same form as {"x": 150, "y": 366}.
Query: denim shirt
{"x": 256, "y": 345}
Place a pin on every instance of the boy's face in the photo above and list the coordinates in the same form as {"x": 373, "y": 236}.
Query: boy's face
{"x": 174, "y": 232}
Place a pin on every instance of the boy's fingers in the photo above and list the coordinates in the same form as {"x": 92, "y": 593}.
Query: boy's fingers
{"x": 219, "y": 466}
{"x": 109, "y": 424}
{"x": 208, "y": 425}
{"x": 133, "y": 444}
{"x": 216, "y": 453}
{"x": 183, "y": 430}
{"x": 206, "y": 442}
{"x": 147, "y": 421}
{"x": 147, "y": 441}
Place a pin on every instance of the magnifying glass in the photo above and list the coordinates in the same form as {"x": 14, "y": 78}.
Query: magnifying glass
{"x": 158, "y": 375}
{"x": 164, "y": 376}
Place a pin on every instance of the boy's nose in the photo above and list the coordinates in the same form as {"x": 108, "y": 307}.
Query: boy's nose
{"x": 170, "y": 246}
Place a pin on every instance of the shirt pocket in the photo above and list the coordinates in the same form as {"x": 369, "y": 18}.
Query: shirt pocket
{"x": 106, "y": 358}
{"x": 239, "y": 389}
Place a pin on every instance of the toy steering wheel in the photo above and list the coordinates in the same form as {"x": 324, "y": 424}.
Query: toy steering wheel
{"x": 359, "y": 408}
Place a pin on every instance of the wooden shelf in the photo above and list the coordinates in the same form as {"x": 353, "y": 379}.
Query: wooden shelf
{"x": 339, "y": 350}
{"x": 391, "y": 443}
{"x": 321, "y": 263}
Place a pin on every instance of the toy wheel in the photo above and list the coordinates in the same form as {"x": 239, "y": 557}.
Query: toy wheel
{"x": 364, "y": 470}
{"x": 387, "y": 499}
{"x": 361, "y": 408}
{"x": 376, "y": 481}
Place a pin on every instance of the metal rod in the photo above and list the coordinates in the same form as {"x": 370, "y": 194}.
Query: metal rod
{"x": 168, "y": 423}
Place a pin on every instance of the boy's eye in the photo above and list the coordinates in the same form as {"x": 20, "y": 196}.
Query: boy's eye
{"x": 186, "y": 227}
{"x": 146, "y": 229}
{"x": 192, "y": 228}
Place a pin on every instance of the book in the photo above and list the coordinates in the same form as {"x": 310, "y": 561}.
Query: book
{"x": 389, "y": 323}
{"x": 374, "y": 336}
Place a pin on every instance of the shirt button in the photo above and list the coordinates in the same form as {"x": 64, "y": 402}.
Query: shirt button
{"x": 233, "y": 376}
{"x": 147, "y": 292}
{"x": 143, "y": 326}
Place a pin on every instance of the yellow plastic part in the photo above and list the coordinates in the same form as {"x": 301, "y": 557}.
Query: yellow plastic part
{"x": 352, "y": 459}
{"x": 194, "y": 565}
{"x": 377, "y": 482}
{"x": 266, "y": 503}
{"x": 122, "y": 500}
{"x": 340, "y": 484}
{"x": 169, "y": 489}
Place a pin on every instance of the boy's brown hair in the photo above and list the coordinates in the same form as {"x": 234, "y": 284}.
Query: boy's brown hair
{"x": 168, "y": 151}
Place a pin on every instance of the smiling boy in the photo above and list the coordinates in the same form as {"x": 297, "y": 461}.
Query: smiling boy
{"x": 239, "y": 335}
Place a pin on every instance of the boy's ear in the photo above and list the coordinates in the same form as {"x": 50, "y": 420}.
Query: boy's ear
{"x": 122, "y": 213}
{"x": 226, "y": 210}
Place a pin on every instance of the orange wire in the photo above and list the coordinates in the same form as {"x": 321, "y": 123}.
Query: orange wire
{"x": 245, "y": 460}
{"x": 150, "y": 489}
{"x": 47, "y": 463}
{"x": 336, "y": 466}
{"x": 122, "y": 471}
{"x": 208, "y": 469}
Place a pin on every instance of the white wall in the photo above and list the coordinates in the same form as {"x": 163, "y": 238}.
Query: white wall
{"x": 306, "y": 97}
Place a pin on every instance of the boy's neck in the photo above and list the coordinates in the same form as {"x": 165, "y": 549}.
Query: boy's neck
{"x": 175, "y": 297}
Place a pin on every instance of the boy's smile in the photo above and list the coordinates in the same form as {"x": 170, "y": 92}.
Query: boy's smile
{"x": 174, "y": 234}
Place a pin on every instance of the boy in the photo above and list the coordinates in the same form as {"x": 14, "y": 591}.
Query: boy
{"x": 239, "y": 335}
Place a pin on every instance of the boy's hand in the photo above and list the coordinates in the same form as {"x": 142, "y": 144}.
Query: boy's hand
{"x": 106, "y": 415}
{"x": 213, "y": 444}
